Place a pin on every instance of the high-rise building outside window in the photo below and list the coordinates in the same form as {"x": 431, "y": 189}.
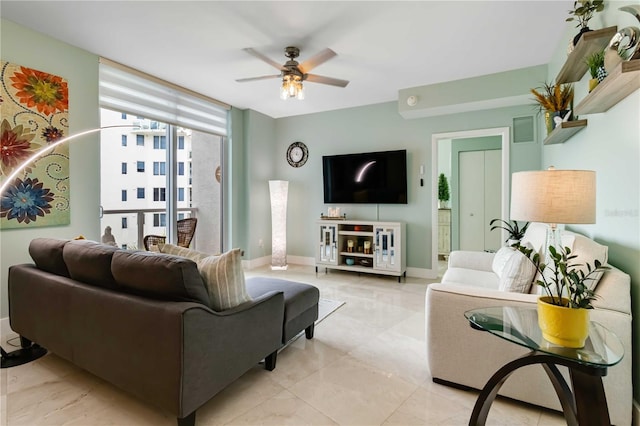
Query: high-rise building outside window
{"x": 124, "y": 168}
{"x": 140, "y": 193}
{"x": 140, "y": 166}
{"x": 124, "y": 140}
{"x": 140, "y": 140}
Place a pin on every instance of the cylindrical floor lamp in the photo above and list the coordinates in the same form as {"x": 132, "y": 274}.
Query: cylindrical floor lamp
{"x": 279, "y": 191}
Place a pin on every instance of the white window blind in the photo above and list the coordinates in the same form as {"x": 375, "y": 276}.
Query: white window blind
{"x": 127, "y": 90}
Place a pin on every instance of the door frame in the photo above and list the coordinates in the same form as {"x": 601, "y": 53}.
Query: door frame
{"x": 504, "y": 134}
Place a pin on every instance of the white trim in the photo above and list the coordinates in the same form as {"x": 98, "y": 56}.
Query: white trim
{"x": 257, "y": 262}
{"x": 301, "y": 260}
{"x": 503, "y": 132}
{"x": 466, "y": 107}
{"x": 636, "y": 413}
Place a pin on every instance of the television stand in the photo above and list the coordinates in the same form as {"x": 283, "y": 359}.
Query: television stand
{"x": 362, "y": 246}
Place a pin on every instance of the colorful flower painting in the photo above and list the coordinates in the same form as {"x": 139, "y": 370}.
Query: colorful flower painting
{"x": 35, "y": 113}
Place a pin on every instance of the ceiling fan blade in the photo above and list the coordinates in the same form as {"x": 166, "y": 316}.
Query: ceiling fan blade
{"x": 317, "y": 59}
{"x": 263, "y": 77}
{"x": 315, "y": 78}
{"x": 262, "y": 57}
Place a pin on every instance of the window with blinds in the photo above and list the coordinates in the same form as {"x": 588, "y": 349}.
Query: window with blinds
{"x": 130, "y": 91}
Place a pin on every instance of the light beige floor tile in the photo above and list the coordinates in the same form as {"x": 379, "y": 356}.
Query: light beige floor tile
{"x": 252, "y": 389}
{"x": 283, "y": 409}
{"x": 426, "y": 408}
{"x": 353, "y": 393}
{"x": 302, "y": 358}
{"x": 396, "y": 355}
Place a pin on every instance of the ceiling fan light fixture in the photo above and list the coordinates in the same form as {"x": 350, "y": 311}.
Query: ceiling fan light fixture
{"x": 291, "y": 87}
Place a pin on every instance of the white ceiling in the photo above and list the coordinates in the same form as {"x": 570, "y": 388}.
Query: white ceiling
{"x": 382, "y": 46}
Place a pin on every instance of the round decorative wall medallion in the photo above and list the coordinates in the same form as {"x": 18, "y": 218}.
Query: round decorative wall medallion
{"x": 218, "y": 174}
{"x": 297, "y": 154}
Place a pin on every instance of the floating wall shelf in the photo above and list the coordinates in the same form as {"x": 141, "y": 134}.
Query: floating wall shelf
{"x": 620, "y": 83}
{"x": 565, "y": 131}
{"x": 593, "y": 41}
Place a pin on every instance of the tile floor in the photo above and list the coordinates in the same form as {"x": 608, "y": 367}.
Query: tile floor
{"x": 365, "y": 366}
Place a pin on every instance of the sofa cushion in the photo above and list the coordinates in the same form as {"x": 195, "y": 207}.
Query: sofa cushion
{"x": 517, "y": 274}
{"x": 587, "y": 251}
{"x": 159, "y": 275}
{"x": 90, "y": 262}
{"x": 500, "y": 259}
{"x": 471, "y": 277}
{"x": 47, "y": 255}
{"x": 224, "y": 278}
{"x": 182, "y": 251}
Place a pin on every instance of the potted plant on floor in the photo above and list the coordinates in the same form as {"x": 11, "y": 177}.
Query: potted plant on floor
{"x": 443, "y": 191}
{"x": 563, "y": 310}
{"x": 582, "y": 12}
{"x": 514, "y": 231}
{"x": 595, "y": 62}
{"x": 555, "y": 100}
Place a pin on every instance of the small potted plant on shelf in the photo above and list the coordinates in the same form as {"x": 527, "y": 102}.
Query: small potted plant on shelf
{"x": 595, "y": 62}
{"x": 555, "y": 100}
{"x": 514, "y": 231}
{"x": 563, "y": 310}
{"x": 443, "y": 191}
{"x": 582, "y": 12}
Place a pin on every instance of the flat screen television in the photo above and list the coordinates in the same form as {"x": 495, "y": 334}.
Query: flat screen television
{"x": 371, "y": 177}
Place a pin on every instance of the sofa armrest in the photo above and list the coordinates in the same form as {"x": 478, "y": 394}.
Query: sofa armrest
{"x": 219, "y": 347}
{"x": 478, "y": 260}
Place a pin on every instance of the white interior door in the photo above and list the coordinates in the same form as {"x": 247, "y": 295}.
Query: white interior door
{"x": 471, "y": 178}
{"x": 480, "y": 176}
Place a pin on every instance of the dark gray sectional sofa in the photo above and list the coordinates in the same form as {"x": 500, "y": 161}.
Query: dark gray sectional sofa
{"x": 142, "y": 321}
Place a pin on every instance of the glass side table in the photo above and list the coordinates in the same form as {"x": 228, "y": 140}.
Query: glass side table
{"x": 587, "y": 404}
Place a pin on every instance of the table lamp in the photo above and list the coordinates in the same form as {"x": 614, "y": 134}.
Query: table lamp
{"x": 554, "y": 196}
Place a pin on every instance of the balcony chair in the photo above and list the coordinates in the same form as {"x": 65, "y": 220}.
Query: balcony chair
{"x": 186, "y": 229}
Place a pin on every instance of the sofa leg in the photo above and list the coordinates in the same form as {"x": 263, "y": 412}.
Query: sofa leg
{"x": 189, "y": 420}
{"x": 270, "y": 361}
{"x": 308, "y": 332}
{"x": 24, "y": 342}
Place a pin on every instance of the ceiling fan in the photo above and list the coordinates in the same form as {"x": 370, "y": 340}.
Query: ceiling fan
{"x": 294, "y": 73}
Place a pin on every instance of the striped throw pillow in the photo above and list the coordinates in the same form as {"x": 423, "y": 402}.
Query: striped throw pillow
{"x": 182, "y": 251}
{"x": 224, "y": 278}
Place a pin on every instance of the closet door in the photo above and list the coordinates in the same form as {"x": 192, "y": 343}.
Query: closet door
{"x": 480, "y": 176}
{"x": 471, "y": 171}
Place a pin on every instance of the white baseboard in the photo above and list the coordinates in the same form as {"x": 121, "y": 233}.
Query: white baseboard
{"x": 429, "y": 274}
{"x": 636, "y": 413}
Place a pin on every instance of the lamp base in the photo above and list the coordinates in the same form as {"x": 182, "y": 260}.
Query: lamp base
{"x": 21, "y": 356}
{"x": 279, "y": 268}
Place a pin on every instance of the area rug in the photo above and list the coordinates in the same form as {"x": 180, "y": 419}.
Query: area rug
{"x": 325, "y": 308}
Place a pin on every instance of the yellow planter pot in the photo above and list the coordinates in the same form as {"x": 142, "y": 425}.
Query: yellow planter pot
{"x": 561, "y": 325}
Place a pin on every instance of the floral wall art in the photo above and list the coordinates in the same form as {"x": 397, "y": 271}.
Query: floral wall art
{"x": 35, "y": 110}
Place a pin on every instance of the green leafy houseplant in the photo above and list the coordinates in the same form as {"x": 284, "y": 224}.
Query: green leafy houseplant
{"x": 443, "y": 188}
{"x": 595, "y": 61}
{"x": 512, "y": 227}
{"x": 583, "y": 11}
{"x": 566, "y": 285}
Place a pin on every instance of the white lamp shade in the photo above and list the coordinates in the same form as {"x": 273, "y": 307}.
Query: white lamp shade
{"x": 278, "y": 190}
{"x": 554, "y": 196}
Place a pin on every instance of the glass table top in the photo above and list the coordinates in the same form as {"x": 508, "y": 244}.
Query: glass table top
{"x": 520, "y": 326}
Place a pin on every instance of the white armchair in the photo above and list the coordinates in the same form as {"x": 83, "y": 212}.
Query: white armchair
{"x": 460, "y": 355}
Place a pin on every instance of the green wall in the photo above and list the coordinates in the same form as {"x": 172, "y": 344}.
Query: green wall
{"x": 25, "y": 47}
{"x": 377, "y": 128}
{"x": 610, "y": 145}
